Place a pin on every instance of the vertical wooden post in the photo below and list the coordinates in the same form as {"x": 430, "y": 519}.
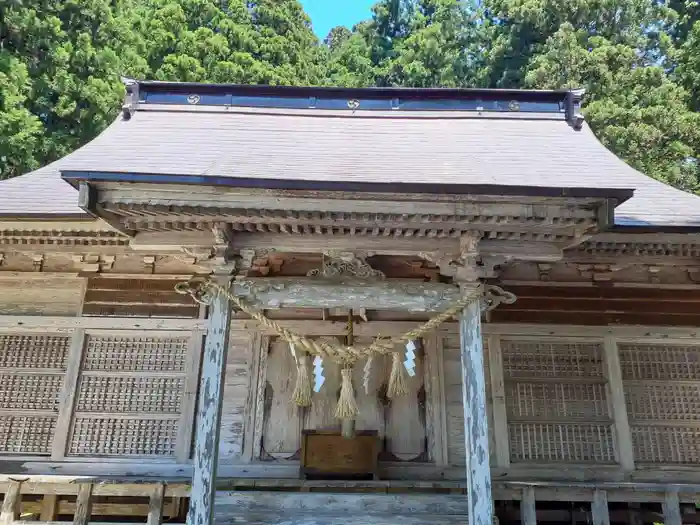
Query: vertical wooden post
{"x": 498, "y": 404}
{"x": 436, "y": 418}
{"x": 476, "y": 434}
{"x": 83, "y": 504}
{"x": 189, "y": 397}
{"x": 625, "y": 451}
{"x": 49, "y": 506}
{"x": 599, "y": 508}
{"x": 672, "y": 509}
{"x": 10, "y": 504}
{"x": 211, "y": 392}
{"x": 528, "y": 511}
{"x": 155, "y": 505}
{"x": 67, "y": 397}
{"x": 634, "y": 514}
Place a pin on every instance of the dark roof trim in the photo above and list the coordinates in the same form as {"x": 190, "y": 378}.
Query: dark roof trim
{"x": 650, "y": 228}
{"x": 369, "y": 92}
{"x": 45, "y": 216}
{"x": 619, "y": 194}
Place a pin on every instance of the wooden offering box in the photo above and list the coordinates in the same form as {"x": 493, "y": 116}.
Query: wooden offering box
{"x": 328, "y": 455}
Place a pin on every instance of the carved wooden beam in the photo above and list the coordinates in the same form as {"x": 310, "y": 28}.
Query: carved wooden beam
{"x": 530, "y": 250}
{"x": 393, "y": 294}
{"x": 317, "y": 293}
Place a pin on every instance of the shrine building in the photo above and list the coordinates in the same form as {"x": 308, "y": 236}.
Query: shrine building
{"x": 329, "y": 306}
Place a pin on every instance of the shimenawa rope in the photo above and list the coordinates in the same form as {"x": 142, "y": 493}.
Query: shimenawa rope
{"x": 347, "y": 355}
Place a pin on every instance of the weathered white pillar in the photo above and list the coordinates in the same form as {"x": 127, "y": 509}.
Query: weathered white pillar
{"x": 208, "y": 424}
{"x": 528, "y": 506}
{"x": 599, "y": 508}
{"x": 672, "y": 509}
{"x": 475, "y": 421}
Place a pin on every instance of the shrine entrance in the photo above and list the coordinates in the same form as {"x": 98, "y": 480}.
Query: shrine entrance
{"x": 340, "y": 405}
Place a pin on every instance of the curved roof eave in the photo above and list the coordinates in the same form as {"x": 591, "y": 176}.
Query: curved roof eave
{"x": 40, "y": 194}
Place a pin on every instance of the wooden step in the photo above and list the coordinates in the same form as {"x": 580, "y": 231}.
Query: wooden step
{"x": 314, "y": 519}
{"x": 295, "y": 508}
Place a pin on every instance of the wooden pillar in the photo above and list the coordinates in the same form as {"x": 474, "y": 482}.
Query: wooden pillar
{"x": 476, "y": 434}
{"x": 528, "y": 511}
{"x": 49, "y": 507}
{"x": 155, "y": 505}
{"x": 67, "y": 398}
{"x": 623, "y": 435}
{"x": 211, "y": 392}
{"x": 672, "y": 509}
{"x": 599, "y": 508}
{"x": 11, "y": 504}
{"x": 83, "y": 505}
{"x": 498, "y": 404}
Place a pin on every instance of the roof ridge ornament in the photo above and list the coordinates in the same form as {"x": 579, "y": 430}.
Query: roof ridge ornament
{"x": 131, "y": 99}
{"x": 573, "y": 108}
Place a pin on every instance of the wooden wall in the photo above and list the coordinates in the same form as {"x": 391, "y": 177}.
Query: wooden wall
{"x": 239, "y": 392}
{"x": 41, "y": 295}
{"x": 556, "y": 401}
{"x": 261, "y": 375}
{"x": 137, "y": 298}
{"x": 601, "y": 305}
{"x": 562, "y": 398}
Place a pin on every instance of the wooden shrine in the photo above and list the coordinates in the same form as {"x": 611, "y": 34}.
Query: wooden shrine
{"x": 197, "y": 305}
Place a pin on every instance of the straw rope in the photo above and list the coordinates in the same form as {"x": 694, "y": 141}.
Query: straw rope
{"x": 200, "y": 289}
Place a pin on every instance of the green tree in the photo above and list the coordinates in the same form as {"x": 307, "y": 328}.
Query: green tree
{"x": 62, "y": 61}
{"x": 516, "y": 31}
{"x": 688, "y": 64}
{"x": 20, "y": 131}
{"x": 350, "y": 61}
{"x": 436, "y": 50}
{"x": 262, "y": 42}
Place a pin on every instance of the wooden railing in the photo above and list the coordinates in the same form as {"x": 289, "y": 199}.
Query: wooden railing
{"x": 55, "y": 500}
{"x": 65, "y": 500}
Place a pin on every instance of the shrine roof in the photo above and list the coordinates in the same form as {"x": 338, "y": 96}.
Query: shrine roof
{"x": 478, "y": 141}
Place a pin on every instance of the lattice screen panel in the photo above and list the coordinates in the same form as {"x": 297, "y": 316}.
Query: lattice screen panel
{"x": 557, "y": 402}
{"x": 662, "y": 391}
{"x": 130, "y": 396}
{"x": 568, "y": 442}
{"x": 32, "y": 371}
{"x": 124, "y": 436}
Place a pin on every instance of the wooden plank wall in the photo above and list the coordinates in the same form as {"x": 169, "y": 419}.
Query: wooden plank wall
{"x": 106, "y": 296}
{"x": 560, "y": 400}
{"x": 239, "y": 392}
{"x": 600, "y": 305}
{"x": 41, "y": 295}
{"x": 556, "y": 401}
{"x": 452, "y": 372}
{"x": 276, "y": 423}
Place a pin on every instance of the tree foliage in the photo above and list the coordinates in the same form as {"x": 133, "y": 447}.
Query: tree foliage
{"x": 639, "y": 60}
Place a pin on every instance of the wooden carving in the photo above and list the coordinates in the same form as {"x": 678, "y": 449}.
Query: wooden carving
{"x": 346, "y": 265}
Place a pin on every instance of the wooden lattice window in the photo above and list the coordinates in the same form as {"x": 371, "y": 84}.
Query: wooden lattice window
{"x": 557, "y": 403}
{"x": 130, "y": 396}
{"x": 662, "y": 391}
{"x": 32, "y": 371}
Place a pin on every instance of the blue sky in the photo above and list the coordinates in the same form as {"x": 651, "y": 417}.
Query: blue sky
{"x": 326, "y": 14}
